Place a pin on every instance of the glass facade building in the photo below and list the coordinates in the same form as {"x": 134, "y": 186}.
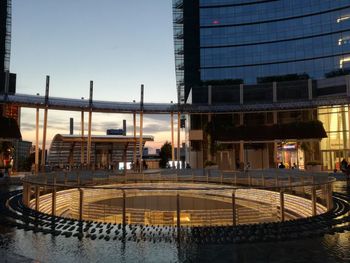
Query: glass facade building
{"x": 259, "y": 48}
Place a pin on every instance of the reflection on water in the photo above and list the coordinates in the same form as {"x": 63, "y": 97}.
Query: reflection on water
{"x": 20, "y": 246}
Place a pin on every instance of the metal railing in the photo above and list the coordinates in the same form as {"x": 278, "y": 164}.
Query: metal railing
{"x": 186, "y": 198}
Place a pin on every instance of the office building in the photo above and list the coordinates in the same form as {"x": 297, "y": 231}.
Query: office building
{"x": 7, "y": 79}
{"x": 276, "y": 54}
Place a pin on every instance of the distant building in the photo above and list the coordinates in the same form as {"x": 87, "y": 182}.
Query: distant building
{"x": 13, "y": 150}
{"x": 145, "y": 151}
{"x": 115, "y": 132}
{"x": 107, "y": 151}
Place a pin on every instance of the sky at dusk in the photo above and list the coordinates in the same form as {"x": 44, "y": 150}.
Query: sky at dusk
{"x": 117, "y": 44}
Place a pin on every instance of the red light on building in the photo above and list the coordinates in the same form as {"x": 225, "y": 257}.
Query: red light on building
{"x": 216, "y": 22}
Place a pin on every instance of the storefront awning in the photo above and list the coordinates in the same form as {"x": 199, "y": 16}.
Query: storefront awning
{"x": 296, "y": 130}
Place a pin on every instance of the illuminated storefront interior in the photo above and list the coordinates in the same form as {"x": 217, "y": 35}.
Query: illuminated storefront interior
{"x": 336, "y": 146}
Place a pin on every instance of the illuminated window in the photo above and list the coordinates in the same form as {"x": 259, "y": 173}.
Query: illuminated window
{"x": 343, "y": 61}
{"x": 344, "y": 40}
{"x": 343, "y": 18}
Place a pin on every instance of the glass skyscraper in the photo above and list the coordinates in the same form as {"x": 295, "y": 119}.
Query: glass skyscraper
{"x": 5, "y": 47}
{"x": 255, "y": 47}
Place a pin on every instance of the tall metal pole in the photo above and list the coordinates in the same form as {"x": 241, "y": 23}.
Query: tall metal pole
{"x": 172, "y": 140}
{"x": 89, "y": 126}
{"x": 43, "y": 155}
{"x": 37, "y": 141}
{"x": 135, "y": 141}
{"x": 82, "y": 155}
{"x": 141, "y": 128}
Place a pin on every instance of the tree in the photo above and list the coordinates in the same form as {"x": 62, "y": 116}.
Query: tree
{"x": 165, "y": 154}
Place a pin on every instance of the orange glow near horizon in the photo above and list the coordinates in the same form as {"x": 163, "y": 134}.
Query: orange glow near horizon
{"x": 58, "y": 122}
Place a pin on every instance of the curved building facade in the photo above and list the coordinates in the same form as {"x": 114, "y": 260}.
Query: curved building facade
{"x": 260, "y": 52}
{"x": 253, "y": 39}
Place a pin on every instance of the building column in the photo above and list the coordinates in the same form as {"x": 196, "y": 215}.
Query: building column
{"x": 209, "y": 137}
{"x": 37, "y": 141}
{"x": 241, "y": 94}
{"x": 82, "y": 154}
{"x": 309, "y": 89}
{"x": 275, "y": 150}
{"x": 274, "y": 92}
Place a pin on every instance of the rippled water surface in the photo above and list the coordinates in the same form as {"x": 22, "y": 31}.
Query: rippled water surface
{"x": 20, "y": 246}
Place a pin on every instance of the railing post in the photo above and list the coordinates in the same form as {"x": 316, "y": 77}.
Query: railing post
{"x": 178, "y": 218}
{"x": 290, "y": 182}
{"x": 221, "y": 177}
{"x": 37, "y": 197}
{"x": 81, "y": 203}
{"x": 313, "y": 200}
{"x": 53, "y": 206}
{"x": 78, "y": 178}
{"x": 234, "y": 222}
{"x": 65, "y": 178}
{"x": 124, "y": 209}
{"x": 263, "y": 180}
{"x": 282, "y": 205}
{"x": 29, "y": 193}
